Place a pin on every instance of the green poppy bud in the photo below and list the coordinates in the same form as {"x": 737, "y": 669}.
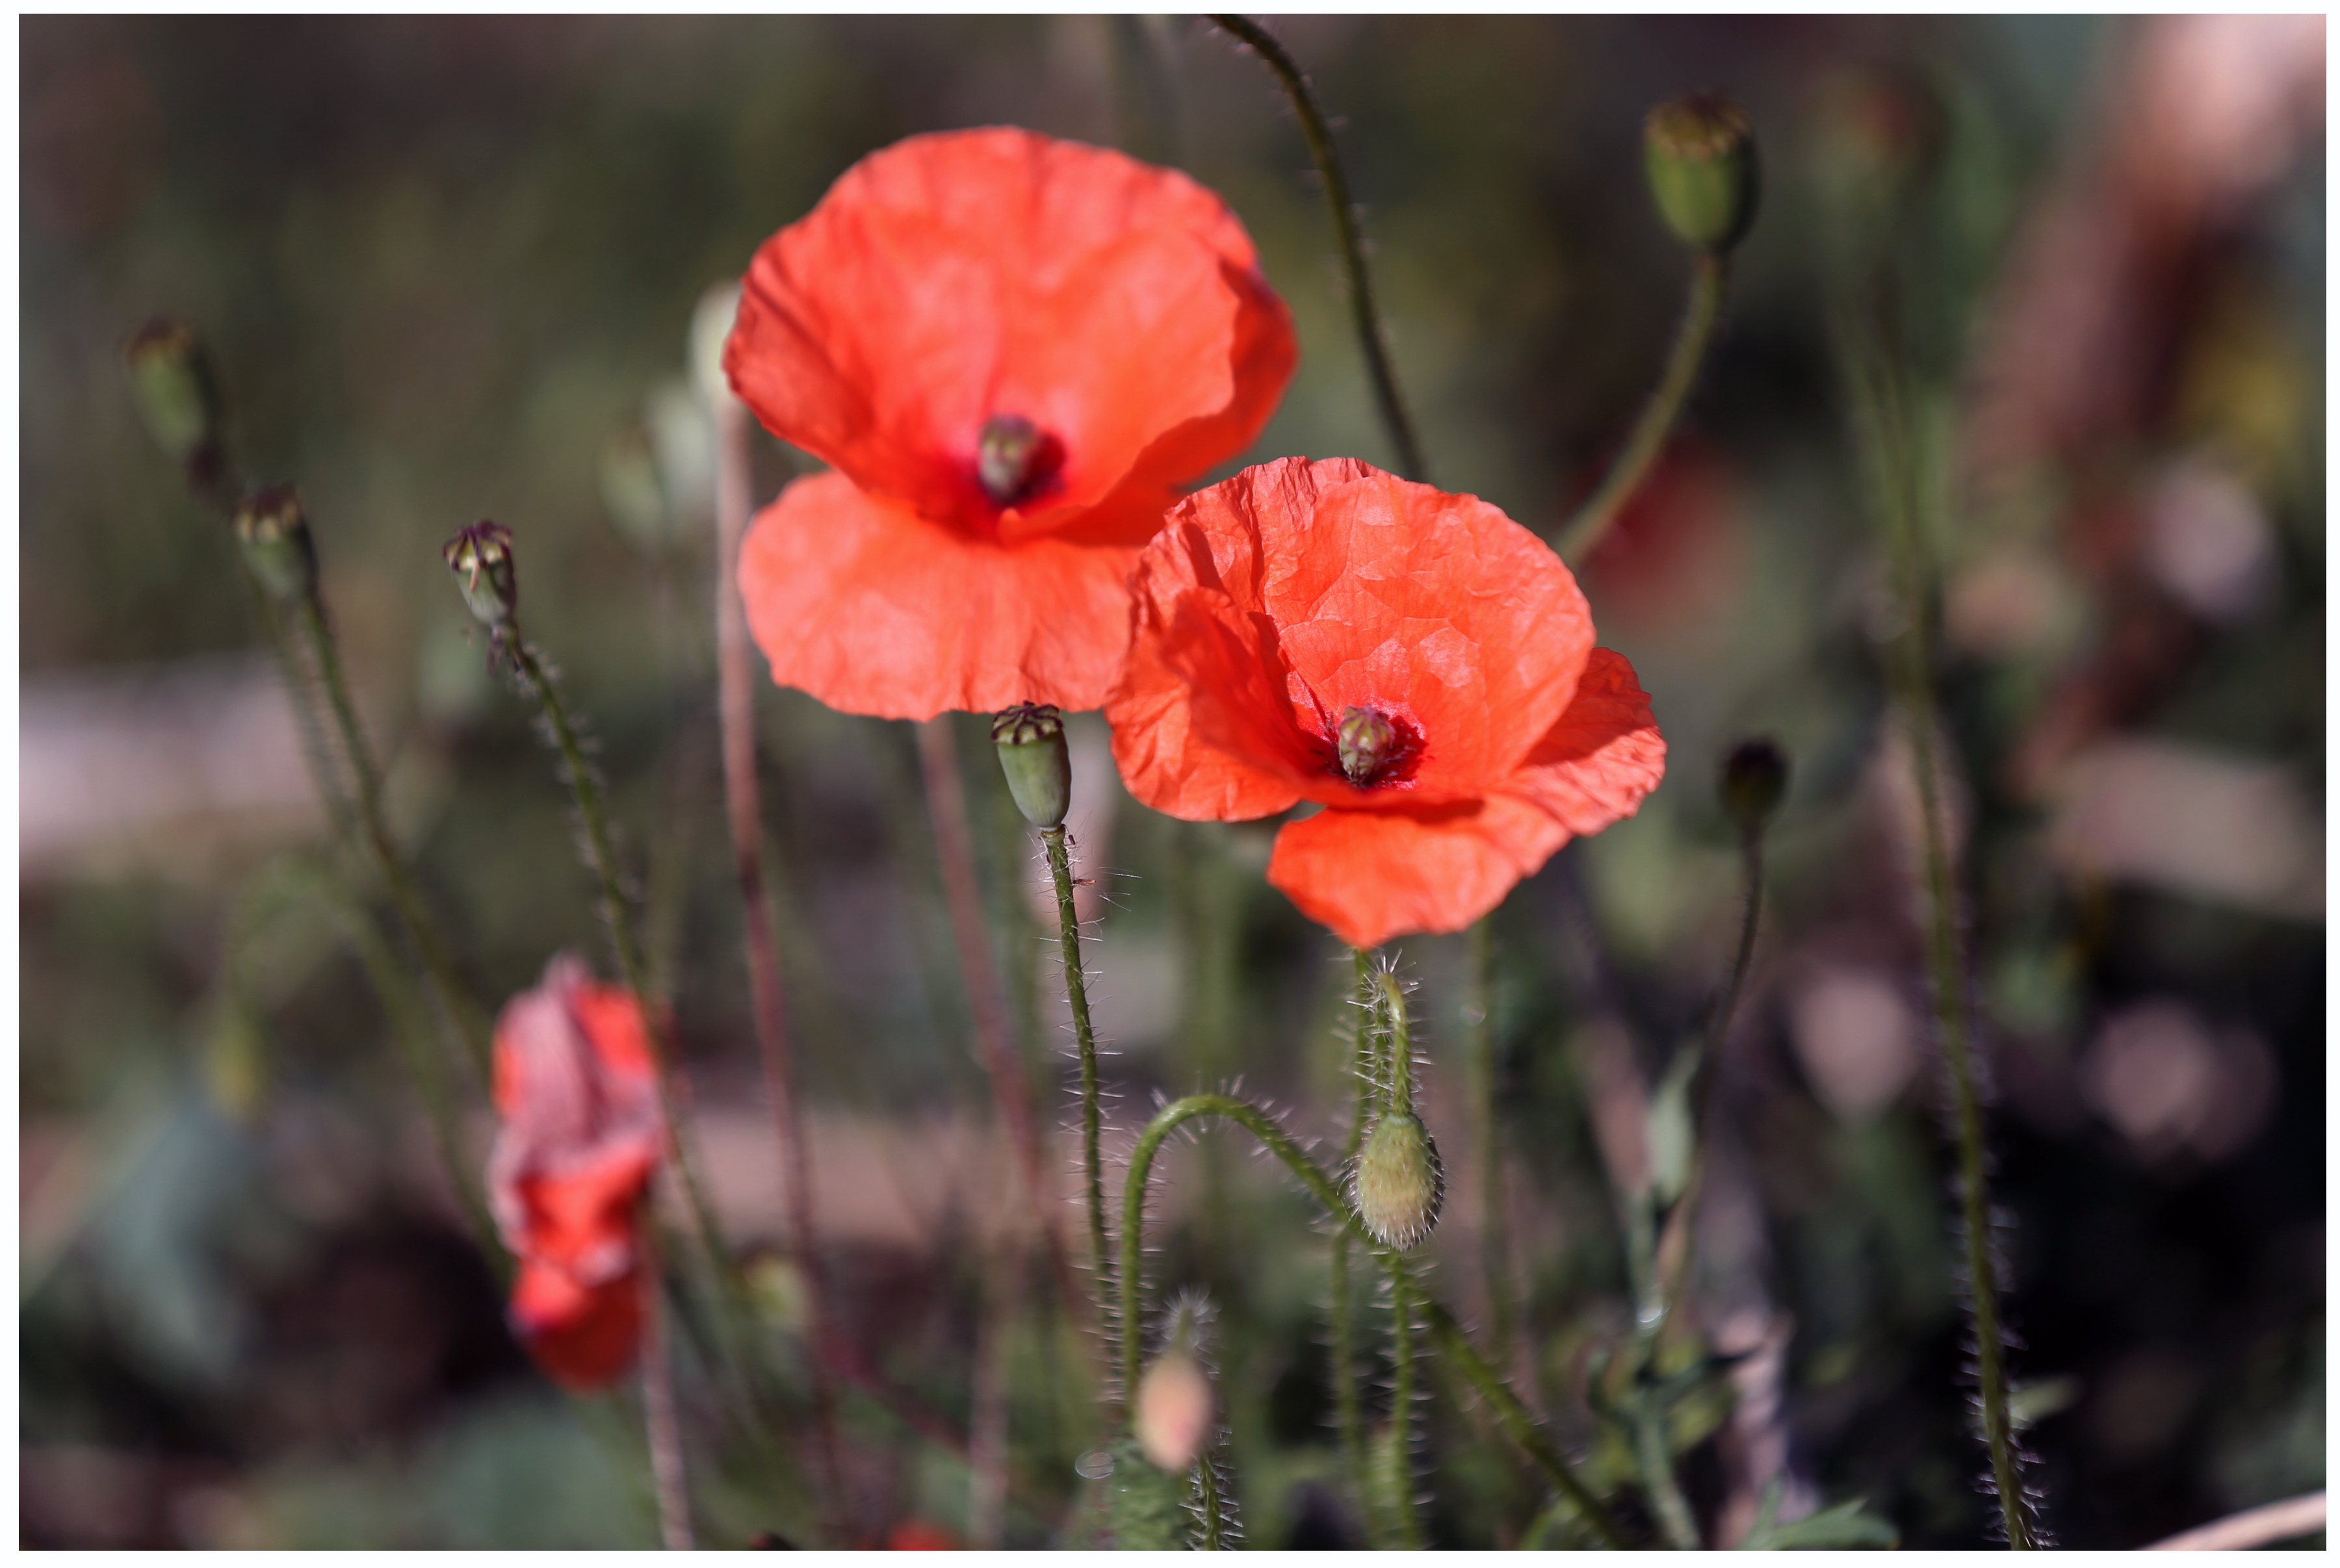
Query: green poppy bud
{"x": 1699, "y": 153}
{"x": 1368, "y": 745}
{"x": 172, "y": 383}
{"x": 1754, "y": 781}
{"x": 1031, "y": 741}
{"x": 1399, "y": 1184}
{"x": 481, "y": 556}
{"x": 273, "y": 531}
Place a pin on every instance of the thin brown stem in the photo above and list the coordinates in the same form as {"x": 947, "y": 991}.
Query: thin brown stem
{"x": 742, "y": 794}
{"x": 661, "y": 1420}
{"x": 2253, "y": 1527}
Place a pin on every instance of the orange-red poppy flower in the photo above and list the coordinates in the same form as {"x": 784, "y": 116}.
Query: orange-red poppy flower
{"x": 1012, "y": 350}
{"x": 580, "y": 1137}
{"x": 1416, "y": 662}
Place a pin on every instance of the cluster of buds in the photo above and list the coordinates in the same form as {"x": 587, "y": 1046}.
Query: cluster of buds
{"x": 1699, "y": 151}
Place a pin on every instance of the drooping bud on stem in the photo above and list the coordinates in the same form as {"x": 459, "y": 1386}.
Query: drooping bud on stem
{"x": 1176, "y": 1409}
{"x": 1754, "y": 780}
{"x": 176, "y": 396}
{"x": 1014, "y": 459}
{"x": 1698, "y": 151}
{"x": 1368, "y": 745}
{"x": 1031, "y": 754}
{"x": 481, "y": 556}
{"x": 273, "y": 532}
{"x": 1399, "y": 1185}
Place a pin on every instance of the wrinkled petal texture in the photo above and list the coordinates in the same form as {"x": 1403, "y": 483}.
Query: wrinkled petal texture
{"x": 957, "y": 276}
{"x": 1272, "y": 603}
{"x": 585, "y": 1336}
{"x": 874, "y": 610}
{"x": 579, "y": 1142}
{"x": 1371, "y": 875}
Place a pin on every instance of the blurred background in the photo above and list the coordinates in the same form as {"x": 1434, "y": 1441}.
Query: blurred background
{"x": 447, "y": 269}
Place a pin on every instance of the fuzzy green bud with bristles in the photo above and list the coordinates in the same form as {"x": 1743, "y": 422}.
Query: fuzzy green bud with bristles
{"x": 1698, "y": 151}
{"x": 273, "y": 532}
{"x": 1031, "y": 754}
{"x": 173, "y": 382}
{"x": 1398, "y": 1184}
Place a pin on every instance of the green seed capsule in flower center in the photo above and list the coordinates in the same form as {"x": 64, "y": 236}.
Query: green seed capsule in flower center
{"x": 1368, "y": 746}
{"x": 1014, "y": 459}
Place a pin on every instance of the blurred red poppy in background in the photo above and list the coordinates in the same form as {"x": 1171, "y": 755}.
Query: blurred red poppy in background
{"x": 1415, "y": 662}
{"x": 1012, "y": 350}
{"x": 572, "y": 1161}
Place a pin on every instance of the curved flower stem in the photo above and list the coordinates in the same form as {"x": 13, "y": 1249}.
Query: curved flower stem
{"x": 471, "y": 1022}
{"x": 1369, "y": 337}
{"x": 661, "y": 1421}
{"x": 736, "y": 706}
{"x": 602, "y": 856}
{"x": 1710, "y": 275}
{"x": 1879, "y": 403}
{"x": 1513, "y": 1415}
{"x": 1077, "y": 994}
{"x": 1344, "y": 1349}
{"x": 954, "y": 853}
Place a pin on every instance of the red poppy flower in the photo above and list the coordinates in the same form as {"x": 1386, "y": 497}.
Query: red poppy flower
{"x": 1416, "y": 662}
{"x": 572, "y": 1161}
{"x": 1012, "y": 350}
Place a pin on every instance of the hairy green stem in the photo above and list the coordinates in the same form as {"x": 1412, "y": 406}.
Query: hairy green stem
{"x": 1077, "y": 994}
{"x": 1367, "y": 319}
{"x": 661, "y": 1420}
{"x": 1207, "y": 1481}
{"x": 1486, "y": 1126}
{"x": 1513, "y": 1415}
{"x": 1400, "y": 1455}
{"x": 1710, "y": 275}
{"x": 1880, "y": 400}
{"x": 1344, "y": 1349}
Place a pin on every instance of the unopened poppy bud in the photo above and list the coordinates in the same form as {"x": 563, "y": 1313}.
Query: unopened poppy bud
{"x": 1399, "y": 1185}
{"x": 1176, "y": 1409}
{"x": 273, "y": 531}
{"x": 1368, "y": 742}
{"x": 1014, "y": 459}
{"x": 1031, "y": 741}
{"x": 172, "y": 383}
{"x": 1754, "y": 782}
{"x": 1699, "y": 151}
{"x": 482, "y": 559}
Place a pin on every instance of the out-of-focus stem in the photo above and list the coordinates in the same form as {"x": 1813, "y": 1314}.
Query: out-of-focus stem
{"x": 1494, "y": 1261}
{"x": 602, "y": 856}
{"x": 1709, "y": 274}
{"x": 661, "y": 1421}
{"x": 736, "y": 704}
{"x": 954, "y": 852}
{"x": 1367, "y": 319}
{"x": 471, "y": 1022}
{"x": 1401, "y": 1456}
{"x": 1509, "y": 1412}
{"x": 986, "y": 1437}
{"x": 1077, "y": 994}
{"x": 1344, "y": 1349}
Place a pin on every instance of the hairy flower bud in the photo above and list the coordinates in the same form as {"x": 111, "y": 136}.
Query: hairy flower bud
{"x": 1754, "y": 781}
{"x": 1176, "y": 1409}
{"x": 273, "y": 532}
{"x": 481, "y": 556}
{"x": 1399, "y": 1184}
{"x": 1031, "y": 754}
{"x": 1698, "y": 151}
{"x": 172, "y": 383}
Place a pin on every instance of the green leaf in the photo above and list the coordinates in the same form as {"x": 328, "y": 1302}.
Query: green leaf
{"x": 1843, "y": 1528}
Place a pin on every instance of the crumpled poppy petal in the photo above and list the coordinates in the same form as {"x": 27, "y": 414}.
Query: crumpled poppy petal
{"x": 956, "y": 276}
{"x": 874, "y": 610}
{"x": 585, "y": 1336}
{"x": 1593, "y": 767}
{"x": 1370, "y": 875}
